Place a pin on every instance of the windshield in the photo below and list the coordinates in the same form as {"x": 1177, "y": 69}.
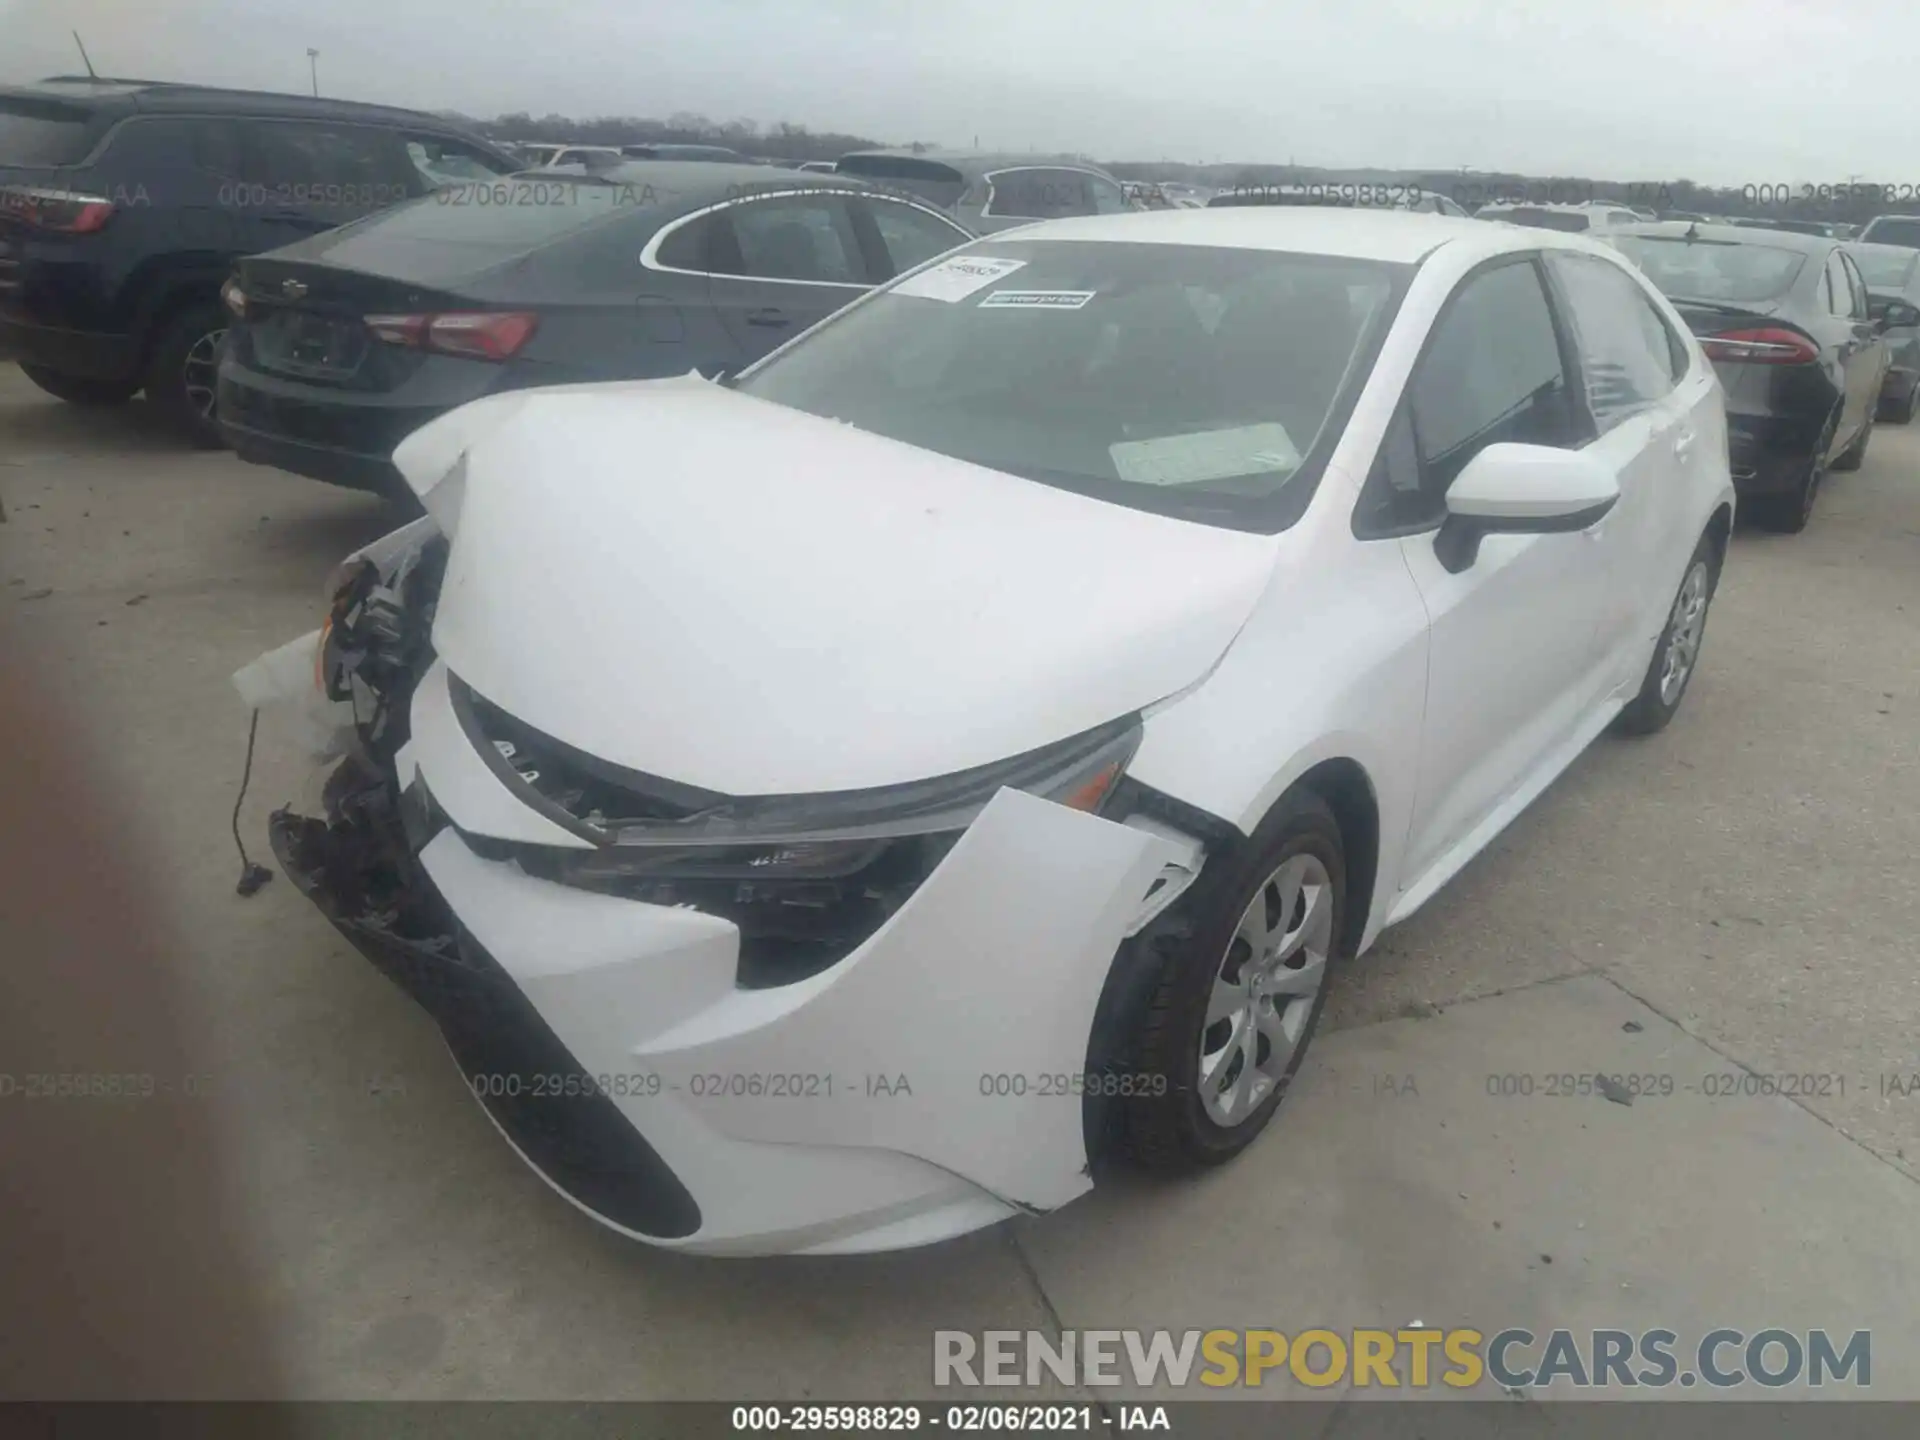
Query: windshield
{"x": 1885, "y": 268}
{"x": 1730, "y": 271}
{"x": 1182, "y": 379}
{"x": 1894, "y": 230}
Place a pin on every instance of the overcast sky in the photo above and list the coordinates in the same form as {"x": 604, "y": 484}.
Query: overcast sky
{"x": 1722, "y": 91}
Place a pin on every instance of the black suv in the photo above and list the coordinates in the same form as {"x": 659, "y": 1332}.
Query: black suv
{"x": 124, "y": 203}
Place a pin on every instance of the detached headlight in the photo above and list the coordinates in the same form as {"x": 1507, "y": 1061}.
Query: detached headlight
{"x": 797, "y": 838}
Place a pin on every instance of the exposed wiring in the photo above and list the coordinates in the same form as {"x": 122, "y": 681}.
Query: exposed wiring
{"x": 252, "y": 875}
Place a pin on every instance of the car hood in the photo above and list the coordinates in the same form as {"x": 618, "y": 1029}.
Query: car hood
{"x": 717, "y": 590}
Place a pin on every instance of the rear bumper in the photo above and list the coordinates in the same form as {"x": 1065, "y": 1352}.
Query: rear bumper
{"x": 346, "y": 468}
{"x": 87, "y": 354}
{"x": 342, "y": 437}
{"x": 898, "y": 1098}
{"x": 1770, "y": 454}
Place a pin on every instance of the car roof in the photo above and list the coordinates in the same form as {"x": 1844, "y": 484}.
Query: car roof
{"x": 1394, "y": 236}
{"x": 980, "y": 162}
{"x": 161, "y": 97}
{"x": 705, "y": 181}
{"x": 1742, "y": 234}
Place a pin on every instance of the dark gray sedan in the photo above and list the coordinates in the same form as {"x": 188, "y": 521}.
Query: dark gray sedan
{"x": 344, "y": 344}
{"x": 988, "y": 192}
{"x": 1892, "y": 273}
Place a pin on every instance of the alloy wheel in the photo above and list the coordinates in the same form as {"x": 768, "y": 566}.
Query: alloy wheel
{"x": 200, "y": 370}
{"x": 1265, "y": 990}
{"x": 1684, "y": 629}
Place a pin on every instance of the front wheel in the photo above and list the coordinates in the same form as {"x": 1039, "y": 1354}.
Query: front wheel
{"x": 1677, "y": 652}
{"x": 1230, "y": 1021}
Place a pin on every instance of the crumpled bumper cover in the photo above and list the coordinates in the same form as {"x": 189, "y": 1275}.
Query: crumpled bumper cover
{"x": 919, "y": 1088}
{"x": 580, "y": 1141}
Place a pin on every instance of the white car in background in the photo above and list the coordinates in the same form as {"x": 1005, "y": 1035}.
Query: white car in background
{"x": 838, "y": 808}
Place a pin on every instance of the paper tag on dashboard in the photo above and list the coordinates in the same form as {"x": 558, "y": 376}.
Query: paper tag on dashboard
{"x": 1036, "y": 300}
{"x": 1209, "y": 455}
{"x": 953, "y": 280}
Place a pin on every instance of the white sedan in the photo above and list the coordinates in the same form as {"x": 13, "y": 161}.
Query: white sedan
{"x": 840, "y": 807}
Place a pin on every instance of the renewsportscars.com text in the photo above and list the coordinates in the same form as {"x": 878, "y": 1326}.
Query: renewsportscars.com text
{"x": 1415, "y": 1358}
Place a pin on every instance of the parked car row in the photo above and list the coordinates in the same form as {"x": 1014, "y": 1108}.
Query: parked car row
{"x": 311, "y": 281}
{"x": 1012, "y": 699}
{"x": 1803, "y": 343}
{"x": 344, "y": 344}
{"x": 125, "y": 203}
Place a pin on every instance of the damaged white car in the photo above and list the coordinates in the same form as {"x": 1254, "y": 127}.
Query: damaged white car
{"x": 840, "y": 807}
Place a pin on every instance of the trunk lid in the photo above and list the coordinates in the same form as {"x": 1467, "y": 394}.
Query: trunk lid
{"x": 714, "y": 589}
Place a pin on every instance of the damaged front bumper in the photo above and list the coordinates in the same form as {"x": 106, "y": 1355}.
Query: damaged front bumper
{"x": 923, "y": 1086}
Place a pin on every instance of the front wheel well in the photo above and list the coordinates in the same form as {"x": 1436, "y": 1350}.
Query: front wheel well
{"x": 1720, "y": 528}
{"x": 1344, "y": 785}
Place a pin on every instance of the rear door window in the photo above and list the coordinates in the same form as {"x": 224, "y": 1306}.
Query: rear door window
{"x": 1627, "y": 352}
{"x": 327, "y": 169}
{"x": 788, "y": 237}
{"x": 911, "y": 235}
{"x": 1835, "y": 289}
{"x": 1862, "y": 306}
{"x": 37, "y": 132}
{"x": 439, "y": 162}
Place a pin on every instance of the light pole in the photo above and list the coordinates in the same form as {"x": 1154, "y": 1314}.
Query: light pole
{"x": 313, "y": 69}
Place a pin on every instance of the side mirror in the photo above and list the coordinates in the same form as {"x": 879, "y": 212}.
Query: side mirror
{"x": 1899, "y": 315}
{"x": 1510, "y": 489}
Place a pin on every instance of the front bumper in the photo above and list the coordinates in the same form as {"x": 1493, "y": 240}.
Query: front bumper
{"x": 920, "y": 1088}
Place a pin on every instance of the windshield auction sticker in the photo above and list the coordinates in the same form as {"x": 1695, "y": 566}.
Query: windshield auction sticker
{"x": 954, "y": 280}
{"x": 1036, "y": 300}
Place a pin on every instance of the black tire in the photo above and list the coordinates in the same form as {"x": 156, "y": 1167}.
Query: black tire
{"x": 1854, "y": 454}
{"x": 1650, "y": 711}
{"x": 80, "y": 389}
{"x": 1789, "y": 512}
{"x": 177, "y": 374}
{"x": 1168, "y": 1130}
{"x": 1901, "y": 411}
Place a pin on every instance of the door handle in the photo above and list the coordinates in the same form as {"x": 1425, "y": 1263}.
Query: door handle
{"x": 1683, "y": 447}
{"x": 770, "y": 318}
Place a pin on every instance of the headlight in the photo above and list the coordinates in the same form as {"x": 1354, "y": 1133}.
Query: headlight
{"x": 234, "y": 298}
{"x": 787, "y": 837}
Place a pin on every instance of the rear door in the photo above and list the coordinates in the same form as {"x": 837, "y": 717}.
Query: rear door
{"x": 1636, "y": 374}
{"x": 1875, "y": 349}
{"x": 780, "y": 263}
{"x": 1861, "y": 351}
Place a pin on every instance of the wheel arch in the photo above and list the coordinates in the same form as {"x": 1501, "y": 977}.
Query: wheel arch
{"x": 1347, "y": 789}
{"x": 1720, "y": 528}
